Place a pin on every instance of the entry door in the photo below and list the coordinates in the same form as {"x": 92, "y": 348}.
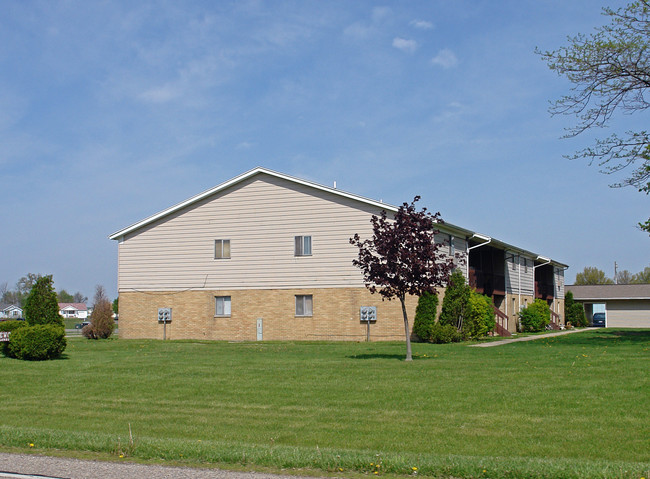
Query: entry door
{"x": 259, "y": 329}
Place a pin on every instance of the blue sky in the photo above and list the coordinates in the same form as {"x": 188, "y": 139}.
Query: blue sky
{"x": 113, "y": 111}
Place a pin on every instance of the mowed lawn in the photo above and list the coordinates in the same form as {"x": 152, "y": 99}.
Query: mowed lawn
{"x": 569, "y": 406}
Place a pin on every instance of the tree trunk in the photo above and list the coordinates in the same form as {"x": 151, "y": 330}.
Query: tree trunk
{"x": 406, "y": 330}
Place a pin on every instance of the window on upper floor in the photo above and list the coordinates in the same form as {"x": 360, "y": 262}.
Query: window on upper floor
{"x": 302, "y": 246}
{"x": 452, "y": 247}
{"x": 222, "y": 249}
{"x": 222, "y": 306}
{"x": 304, "y": 305}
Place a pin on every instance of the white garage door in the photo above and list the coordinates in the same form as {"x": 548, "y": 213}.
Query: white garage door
{"x": 628, "y": 314}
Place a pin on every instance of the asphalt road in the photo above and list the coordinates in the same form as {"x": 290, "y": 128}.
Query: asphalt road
{"x": 22, "y": 466}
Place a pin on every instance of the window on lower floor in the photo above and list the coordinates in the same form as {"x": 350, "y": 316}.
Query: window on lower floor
{"x": 222, "y": 306}
{"x": 304, "y": 305}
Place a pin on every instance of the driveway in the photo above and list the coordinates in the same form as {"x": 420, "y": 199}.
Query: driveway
{"x": 43, "y": 467}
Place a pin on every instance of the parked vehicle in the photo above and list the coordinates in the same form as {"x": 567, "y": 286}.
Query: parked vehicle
{"x": 81, "y": 325}
{"x": 599, "y": 320}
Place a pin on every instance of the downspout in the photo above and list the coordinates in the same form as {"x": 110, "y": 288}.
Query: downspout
{"x": 548, "y": 260}
{"x": 518, "y": 288}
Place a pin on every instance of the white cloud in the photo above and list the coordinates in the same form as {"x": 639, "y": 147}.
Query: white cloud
{"x": 445, "y": 58}
{"x": 379, "y": 13}
{"x": 405, "y": 45}
{"x": 421, "y": 24}
{"x": 159, "y": 95}
{"x": 244, "y": 145}
{"x": 358, "y": 30}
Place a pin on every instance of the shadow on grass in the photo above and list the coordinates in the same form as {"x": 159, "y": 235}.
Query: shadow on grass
{"x": 610, "y": 336}
{"x": 400, "y": 357}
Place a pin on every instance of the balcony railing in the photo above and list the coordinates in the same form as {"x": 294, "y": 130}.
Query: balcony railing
{"x": 487, "y": 283}
{"x": 543, "y": 290}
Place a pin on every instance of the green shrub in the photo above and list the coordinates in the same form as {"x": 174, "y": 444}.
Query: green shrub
{"x": 579, "y": 319}
{"x": 456, "y": 300}
{"x": 445, "y": 333}
{"x": 37, "y": 343}
{"x": 535, "y": 317}
{"x": 479, "y": 318}
{"x": 41, "y": 306}
{"x": 9, "y": 326}
{"x": 425, "y": 316}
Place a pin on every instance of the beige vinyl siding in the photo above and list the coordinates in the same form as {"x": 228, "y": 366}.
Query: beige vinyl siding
{"x": 520, "y": 276}
{"x": 558, "y": 279}
{"x": 512, "y": 275}
{"x": 460, "y": 247}
{"x": 527, "y": 275}
{"x": 260, "y": 216}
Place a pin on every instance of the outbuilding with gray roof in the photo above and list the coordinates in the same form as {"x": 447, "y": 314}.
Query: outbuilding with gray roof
{"x": 626, "y": 305}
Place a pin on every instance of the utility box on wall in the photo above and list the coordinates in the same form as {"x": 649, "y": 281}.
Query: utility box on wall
{"x": 164, "y": 315}
{"x": 368, "y": 314}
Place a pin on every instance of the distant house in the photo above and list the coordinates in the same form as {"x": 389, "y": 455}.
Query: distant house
{"x": 10, "y": 311}
{"x": 73, "y": 310}
{"x": 267, "y": 256}
{"x": 626, "y": 305}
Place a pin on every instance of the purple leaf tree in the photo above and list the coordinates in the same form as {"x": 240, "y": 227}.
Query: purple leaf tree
{"x": 403, "y": 258}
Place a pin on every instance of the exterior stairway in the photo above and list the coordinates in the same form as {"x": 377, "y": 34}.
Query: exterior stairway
{"x": 501, "y": 325}
{"x": 555, "y": 321}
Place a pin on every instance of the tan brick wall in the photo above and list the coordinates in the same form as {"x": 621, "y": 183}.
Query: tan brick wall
{"x": 513, "y": 301}
{"x": 335, "y": 315}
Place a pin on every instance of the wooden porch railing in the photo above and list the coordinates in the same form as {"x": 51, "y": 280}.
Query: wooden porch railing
{"x": 501, "y": 325}
{"x": 555, "y": 321}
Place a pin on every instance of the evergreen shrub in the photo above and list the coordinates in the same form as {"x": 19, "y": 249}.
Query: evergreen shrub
{"x": 9, "y": 326}
{"x": 425, "y": 316}
{"x": 445, "y": 333}
{"x": 535, "y": 317}
{"x": 479, "y": 319}
{"x": 41, "y": 306}
{"x": 579, "y": 319}
{"x": 37, "y": 343}
{"x": 456, "y": 300}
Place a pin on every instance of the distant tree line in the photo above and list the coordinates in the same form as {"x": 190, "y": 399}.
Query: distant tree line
{"x": 593, "y": 275}
{"x": 18, "y": 295}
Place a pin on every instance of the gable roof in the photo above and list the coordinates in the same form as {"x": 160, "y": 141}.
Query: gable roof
{"x": 77, "y": 306}
{"x": 9, "y": 307}
{"x": 447, "y": 227}
{"x": 599, "y": 292}
{"x": 238, "y": 179}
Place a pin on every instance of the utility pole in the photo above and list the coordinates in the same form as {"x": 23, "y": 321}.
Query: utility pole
{"x": 615, "y": 273}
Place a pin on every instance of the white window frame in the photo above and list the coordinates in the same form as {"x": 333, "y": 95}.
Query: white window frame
{"x": 220, "y": 246}
{"x": 302, "y": 245}
{"x": 304, "y": 305}
{"x": 226, "y": 306}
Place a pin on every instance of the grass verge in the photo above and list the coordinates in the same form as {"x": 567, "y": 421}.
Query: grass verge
{"x": 567, "y": 406}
